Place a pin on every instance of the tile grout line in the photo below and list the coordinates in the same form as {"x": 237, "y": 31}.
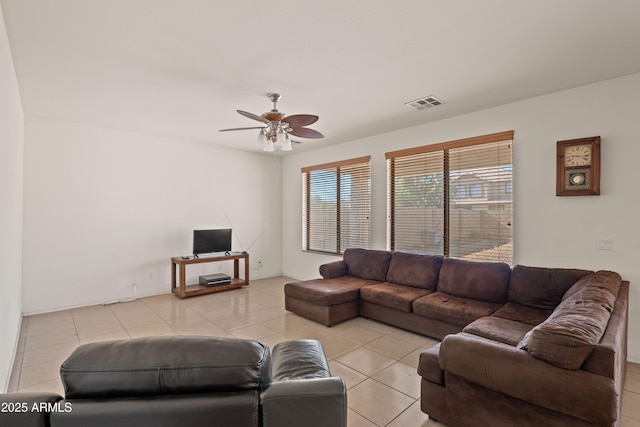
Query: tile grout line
{"x": 400, "y": 414}
{"x": 119, "y": 321}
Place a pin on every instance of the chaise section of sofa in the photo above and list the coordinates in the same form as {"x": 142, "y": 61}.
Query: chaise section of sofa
{"x": 336, "y": 297}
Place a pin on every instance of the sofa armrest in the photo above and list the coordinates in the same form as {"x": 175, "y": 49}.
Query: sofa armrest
{"x": 334, "y": 269}
{"x": 316, "y": 402}
{"x": 514, "y": 372}
{"x": 27, "y": 409}
{"x": 303, "y": 392}
{"x": 299, "y": 359}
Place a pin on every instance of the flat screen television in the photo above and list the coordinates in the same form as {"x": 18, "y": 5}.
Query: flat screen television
{"x": 208, "y": 241}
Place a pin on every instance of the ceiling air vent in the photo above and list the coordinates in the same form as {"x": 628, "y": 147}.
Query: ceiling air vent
{"x": 426, "y": 102}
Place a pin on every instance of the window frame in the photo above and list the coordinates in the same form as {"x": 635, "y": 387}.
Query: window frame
{"x": 449, "y": 194}
{"x": 365, "y": 162}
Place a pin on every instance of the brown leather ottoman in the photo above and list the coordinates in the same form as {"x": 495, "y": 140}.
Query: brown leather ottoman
{"x": 327, "y": 301}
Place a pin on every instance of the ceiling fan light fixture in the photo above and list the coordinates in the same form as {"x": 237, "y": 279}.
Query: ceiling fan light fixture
{"x": 262, "y": 139}
{"x": 286, "y": 146}
{"x": 280, "y": 138}
{"x": 268, "y": 146}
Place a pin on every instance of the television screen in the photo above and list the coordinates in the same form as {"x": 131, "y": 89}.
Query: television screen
{"x": 208, "y": 241}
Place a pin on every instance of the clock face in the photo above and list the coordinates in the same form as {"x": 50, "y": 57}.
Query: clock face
{"x": 577, "y": 155}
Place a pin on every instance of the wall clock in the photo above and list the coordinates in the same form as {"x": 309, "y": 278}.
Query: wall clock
{"x": 578, "y": 167}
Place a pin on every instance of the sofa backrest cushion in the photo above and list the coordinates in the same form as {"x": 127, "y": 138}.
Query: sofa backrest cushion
{"x": 541, "y": 287}
{"x": 165, "y": 365}
{"x": 367, "y": 263}
{"x": 420, "y": 271}
{"x": 482, "y": 281}
{"x": 602, "y": 286}
{"x": 576, "y": 326}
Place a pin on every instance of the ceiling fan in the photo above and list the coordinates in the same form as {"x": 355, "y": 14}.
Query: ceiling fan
{"x": 277, "y": 127}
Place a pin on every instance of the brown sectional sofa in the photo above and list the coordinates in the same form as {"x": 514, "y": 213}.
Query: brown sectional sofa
{"x": 523, "y": 346}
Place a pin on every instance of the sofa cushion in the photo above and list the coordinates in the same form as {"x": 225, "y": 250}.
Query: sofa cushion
{"x": 416, "y": 270}
{"x": 480, "y": 281}
{"x": 541, "y": 287}
{"x": 152, "y": 366}
{"x": 398, "y": 297}
{"x": 367, "y": 263}
{"x": 522, "y": 313}
{"x": 569, "y": 335}
{"x": 498, "y": 329}
{"x": 602, "y": 286}
{"x": 452, "y": 309}
{"x": 328, "y": 292}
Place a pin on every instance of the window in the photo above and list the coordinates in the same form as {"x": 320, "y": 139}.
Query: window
{"x": 453, "y": 198}
{"x": 470, "y": 190}
{"x": 336, "y": 206}
{"x": 476, "y": 190}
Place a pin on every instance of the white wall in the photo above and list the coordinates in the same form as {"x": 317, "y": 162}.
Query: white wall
{"x": 11, "y": 153}
{"x": 105, "y": 209}
{"x": 549, "y": 231}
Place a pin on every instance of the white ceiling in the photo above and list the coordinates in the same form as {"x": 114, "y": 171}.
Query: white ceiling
{"x": 180, "y": 68}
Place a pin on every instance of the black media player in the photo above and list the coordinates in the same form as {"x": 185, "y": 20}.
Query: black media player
{"x": 215, "y": 279}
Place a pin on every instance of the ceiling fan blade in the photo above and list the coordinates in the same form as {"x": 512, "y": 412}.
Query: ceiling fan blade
{"x": 254, "y": 127}
{"x": 298, "y": 120}
{"x": 305, "y": 133}
{"x": 253, "y": 116}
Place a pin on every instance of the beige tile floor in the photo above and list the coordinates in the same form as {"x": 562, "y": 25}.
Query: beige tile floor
{"x": 378, "y": 362}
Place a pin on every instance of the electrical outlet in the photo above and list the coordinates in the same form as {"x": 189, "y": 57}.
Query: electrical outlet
{"x": 605, "y": 244}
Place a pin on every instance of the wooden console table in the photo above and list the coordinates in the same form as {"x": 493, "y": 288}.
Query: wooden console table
{"x": 180, "y": 287}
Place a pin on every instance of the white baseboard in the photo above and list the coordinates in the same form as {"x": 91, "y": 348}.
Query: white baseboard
{"x": 14, "y": 353}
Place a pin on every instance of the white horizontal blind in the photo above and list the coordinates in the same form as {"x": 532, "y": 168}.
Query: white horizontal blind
{"x": 453, "y": 199}
{"x": 481, "y": 206}
{"x": 355, "y": 205}
{"x": 416, "y": 189}
{"x": 336, "y": 206}
{"x": 322, "y": 213}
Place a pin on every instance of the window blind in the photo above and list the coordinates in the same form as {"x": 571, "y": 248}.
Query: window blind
{"x": 336, "y": 205}
{"x": 453, "y": 198}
